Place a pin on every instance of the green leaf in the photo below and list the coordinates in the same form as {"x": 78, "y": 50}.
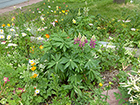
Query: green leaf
{"x": 73, "y": 64}
{"x": 78, "y": 91}
{"x": 58, "y": 39}
{"x": 68, "y": 87}
{"x": 64, "y": 60}
{"x": 67, "y": 64}
{"x": 52, "y": 63}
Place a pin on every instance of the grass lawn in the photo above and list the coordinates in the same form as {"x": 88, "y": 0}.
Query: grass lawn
{"x": 104, "y": 7}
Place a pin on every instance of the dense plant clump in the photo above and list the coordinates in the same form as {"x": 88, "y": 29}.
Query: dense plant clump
{"x": 53, "y": 55}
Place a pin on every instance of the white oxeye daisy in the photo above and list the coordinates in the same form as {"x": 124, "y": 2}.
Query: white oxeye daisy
{"x": 2, "y": 36}
{"x": 13, "y": 30}
{"x": 41, "y": 18}
{"x": 39, "y": 38}
{"x": 16, "y": 34}
{"x": 133, "y": 29}
{"x": 37, "y": 91}
{"x": 49, "y": 6}
{"x": 90, "y": 24}
{"x": 51, "y": 10}
{"x": 8, "y": 37}
{"x": 39, "y": 29}
{"x": 23, "y": 34}
{"x": 1, "y": 31}
{"x": 28, "y": 29}
{"x": 11, "y": 44}
{"x": 31, "y": 61}
{"x": 39, "y": 11}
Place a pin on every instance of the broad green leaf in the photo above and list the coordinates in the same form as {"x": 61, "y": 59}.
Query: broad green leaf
{"x": 52, "y": 63}
{"x": 67, "y": 64}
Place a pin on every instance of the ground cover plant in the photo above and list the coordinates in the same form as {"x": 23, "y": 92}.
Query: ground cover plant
{"x": 52, "y": 53}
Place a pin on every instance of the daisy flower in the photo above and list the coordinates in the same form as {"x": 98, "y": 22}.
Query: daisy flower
{"x": 1, "y": 31}
{"x": 8, "y": 37}
{"x": 31, "y": 61}
{"x": 23, "y": 34}
{"x": 37, "y": 91}
{"x": 13, "y": 30}
{"x": 2, "y": 36}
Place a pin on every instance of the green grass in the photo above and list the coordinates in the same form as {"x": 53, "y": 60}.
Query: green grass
{"x": 104, "y": 7}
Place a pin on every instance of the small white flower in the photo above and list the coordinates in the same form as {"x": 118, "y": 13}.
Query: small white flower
{"x": 42, "y": 18}
{"x": 37, "y": 91}
{"x": 51, "y": 10}
{"x": 23, "y": 34}
{"x": 110, "y": 38}
{"x": 45, "y": 27}
{"x": 2, "y": 36}
{"x": 28, "y": 29}
{"x": 39, "y": 11}
{"x": 31, "y": 61}
{"x": 16, "y": 35}
{"x": 13, "y": 30}
{"x": 11, "y": 44}
{"x": 90, "y": 24}
{"x": 1, "y": 31}
{"x": 131, "y": 1}
{"x": 55, "y": 19}
{"x": 39, "y": 38}
{"x": 20, "y": 7}
{"x": 8, "y": 37}
{"x": 133, "y": 29}
{"x": 49, "y": 6}
{"x": 39, "y": 29}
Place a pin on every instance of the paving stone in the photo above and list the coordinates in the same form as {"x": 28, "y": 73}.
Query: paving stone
{"x": 112, "y": 100}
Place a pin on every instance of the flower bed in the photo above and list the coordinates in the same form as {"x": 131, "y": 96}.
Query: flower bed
{"x": 59, "y": 60}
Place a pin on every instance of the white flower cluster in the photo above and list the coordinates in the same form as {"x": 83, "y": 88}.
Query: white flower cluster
{"x": 133, "y": 85}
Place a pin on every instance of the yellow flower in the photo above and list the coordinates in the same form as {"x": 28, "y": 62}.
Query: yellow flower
{"x": 47, "y": 12}
{"x": 60, "y": 12}
{"x": 35, "y": 75}
{"x": 98, "y": 28}
{"x": 41, "y": 47}
{"x": 8, "y": 25}
{"x": 33, "y": 68}
{"x": 66, "y": 13}
{"x": 3, "y": 25}
{"x": 54, "y": 11}
{"x": 63, "y": 11}
{"x": 56, "y": 7}
{"x": 32, "y": 64}
{"x": 62, "y": 19}
{"x": 100, "y": 84}
{"x": 74, "y": 21}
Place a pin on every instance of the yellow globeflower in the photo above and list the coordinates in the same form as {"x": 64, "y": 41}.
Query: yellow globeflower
{"x": 8, "y": 25}
{"x": 63, "y": 11}
{"x": 100, "y": 84}
{"x": 33, "y": 68}
{"x": 32, "y": 64}
{"x": 74, "y": 21}
{"x": 35, "y": 75}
